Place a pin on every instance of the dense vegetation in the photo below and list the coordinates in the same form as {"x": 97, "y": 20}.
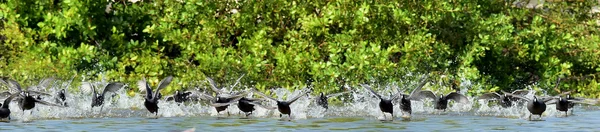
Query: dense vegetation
{"x": 480, "y": 45}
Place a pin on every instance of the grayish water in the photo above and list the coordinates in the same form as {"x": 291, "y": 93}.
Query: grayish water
{"x": 581, "y": 121}
{"x": 359, "y": 113}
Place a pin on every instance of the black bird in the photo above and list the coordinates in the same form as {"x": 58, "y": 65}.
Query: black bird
{"x": 405, "y": 104}
{"x": 323, "y": 100}
{"x": 284, "y": 106}
{"x": 441, "y": 102}
{"x": 4, "y": 110}
{"x": 385, "y": 105}
{"x": 41, "y": 87}
{"x": 151, "y": 100}
{"x": 564, "y": 104}
{"x": 222, "y": 100}
{"x": 61, "y": 98}
{"x": 98, "y": 98}
{"x": 26, "y": 98}
{"x": 246, "y": 105}
{"x": 180, "y": 97}
{"x": 505, "y": 100}
{"x": 535, "y": 106}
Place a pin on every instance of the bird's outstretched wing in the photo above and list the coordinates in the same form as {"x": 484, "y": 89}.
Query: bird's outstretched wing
{"x": 303, "y": 93}
{"x": 144, "y": 86}
{"x": 112, "y": 87}
{"x": 47, "y": 103}
{"x": 86, "y": 87}
{"x": 371, "y": 90}
{"x": 521, "y": 92}
{"x": 163, "y": 83}
{"x": 417, "y": 89}
{"x": 7, "y": 100}
{"x": 517, "y": 96}
{"x": 263, "y": 95}
{"x": 39, "y": 93}
{"x": 12, "y": 84}
{"x": 44, "y": 83}
{"x": 427, "y": 94}
{"x": 237, "y": 82}
{"x": 213, "y": 86}
{"x": 5, "y": 95}
{"x": 203, "y": 96}
{"x": 458, "y": 97}
{"x": 226, "y": 103}
{"x": 490, "y": 96}
{"x": 260, "y": 105}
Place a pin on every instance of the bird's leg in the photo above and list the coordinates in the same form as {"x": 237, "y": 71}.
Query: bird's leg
{"x": 228, "y": 114}
{"x": 530, "y": 116}
{"x": 572, "y": 111}
{"x": 280, "y": 115}
{"x": 101, "y": 106}
{"x": 156, "y": 114}
{"x": 567, "y": 113}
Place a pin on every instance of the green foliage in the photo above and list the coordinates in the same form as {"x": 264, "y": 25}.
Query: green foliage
{"x": 293, "y": 44}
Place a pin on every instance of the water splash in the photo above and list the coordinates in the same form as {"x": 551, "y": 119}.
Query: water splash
{"x": 359, "y": 103}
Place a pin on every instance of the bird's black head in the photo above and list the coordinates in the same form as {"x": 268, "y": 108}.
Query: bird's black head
{"x": 560, "y": 99}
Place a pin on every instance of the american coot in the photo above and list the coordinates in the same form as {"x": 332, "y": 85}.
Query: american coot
{"x": 60, "y": 97}
{"x": 4, "y": 110}
{"x": 441, "y": 102}
{"x": 26, "y": 98}
{"x": 405, "y": 104}
{"x": 246, "y": 105}
{"x": 568, "y": 102}
{"x": 98, "y": 98}
{"x": 284, "y": 106}
{"x": 323, "y": 100}
{"x": 180, "y": 97}
{"x": 535, "y": 106}
{"x": 222, "y": 100}
{"x": 385, "y": 105}
{"x": 151, "y": 100}
{"x": 505, "y": 100}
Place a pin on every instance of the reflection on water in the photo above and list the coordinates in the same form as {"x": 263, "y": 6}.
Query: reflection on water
{"x": 128, "y": 114}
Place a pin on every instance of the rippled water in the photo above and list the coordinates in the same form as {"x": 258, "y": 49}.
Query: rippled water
{"x": 359, "y": 113}
{"x": 583, "y": 120}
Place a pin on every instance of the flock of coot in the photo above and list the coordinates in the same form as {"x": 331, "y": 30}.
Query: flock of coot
{"x": 220, "y": 100}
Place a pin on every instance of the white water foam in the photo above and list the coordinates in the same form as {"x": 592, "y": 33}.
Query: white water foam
{"x": 359, "y": 103}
